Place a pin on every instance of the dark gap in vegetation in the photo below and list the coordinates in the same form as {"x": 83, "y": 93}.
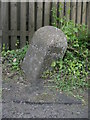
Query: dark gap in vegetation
{"x": 58, "y": 12}
{"x": 35, "y": 15}
{"x": 18, "y": 15}
{"x": 81, "y": 12}
{"x": 76, "y": 10}
{"x": 64, "y": 8}
{"x": 9, "y": 16}
{"x": 86, "y": 11}
{"x": 58, "y": 9}
{"x": 43, "y": 14}
{"x": 9, "y": 42}
{"x": 70, "y": 9}
{"x": 88, "y": 45}
{"x": 86, "y": 15}
{"x": 76, "y": 14}
{"x": 18, "y": 42}
{"x": 27, "y": 40}
{"x": 51, "y": 13}
{"x": 27, "y": 16}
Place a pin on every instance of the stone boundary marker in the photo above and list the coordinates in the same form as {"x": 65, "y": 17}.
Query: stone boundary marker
{"x": 48, "y": 44}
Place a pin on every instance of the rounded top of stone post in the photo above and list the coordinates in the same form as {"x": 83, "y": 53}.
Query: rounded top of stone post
{"x": 48, "y": 44}
{"x": 49, "y": 35}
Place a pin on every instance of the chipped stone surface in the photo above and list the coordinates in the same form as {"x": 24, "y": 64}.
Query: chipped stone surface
{"x": 48, "y": 44}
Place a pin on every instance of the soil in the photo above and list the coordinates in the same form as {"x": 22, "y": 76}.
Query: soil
{"x": 20, "y": 99}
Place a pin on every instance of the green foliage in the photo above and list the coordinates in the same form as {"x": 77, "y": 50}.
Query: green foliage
{"x": 17, "y": 44}
{"x": 14, "y": 57}
{"x": 71, "y": 73}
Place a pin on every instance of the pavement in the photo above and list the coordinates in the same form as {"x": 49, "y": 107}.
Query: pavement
{"x": 21, "y": 100}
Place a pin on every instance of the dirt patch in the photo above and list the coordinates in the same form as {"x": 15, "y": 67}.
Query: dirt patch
{"x": 18, "y": 87}
{"x": 22, "y": 100}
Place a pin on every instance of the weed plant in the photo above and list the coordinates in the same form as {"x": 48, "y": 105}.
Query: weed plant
{"x": 14, "y": 57}
{"x": 71, "y": 73}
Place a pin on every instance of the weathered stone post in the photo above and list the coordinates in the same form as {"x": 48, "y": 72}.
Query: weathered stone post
{"x": 48, "y": 44}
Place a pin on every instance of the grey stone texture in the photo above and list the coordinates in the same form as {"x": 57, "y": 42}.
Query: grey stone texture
{"x": 48, "y": 44}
